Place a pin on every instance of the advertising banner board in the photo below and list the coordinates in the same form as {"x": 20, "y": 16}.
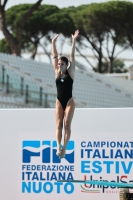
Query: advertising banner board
{"x": 100, "y": 149}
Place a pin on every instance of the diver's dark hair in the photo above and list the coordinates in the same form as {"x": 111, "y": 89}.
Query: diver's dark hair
{"x": 63, "y": 58}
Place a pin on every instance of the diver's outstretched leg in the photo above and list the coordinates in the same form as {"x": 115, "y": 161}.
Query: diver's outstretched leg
{"x": 59, "y": 112}
{"x": 69, "y": 111}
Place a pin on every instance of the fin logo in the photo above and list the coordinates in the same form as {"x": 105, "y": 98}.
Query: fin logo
{"x": 46, "y": 150}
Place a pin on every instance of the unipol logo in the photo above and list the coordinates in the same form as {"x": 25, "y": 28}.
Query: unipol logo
{"x": 46, "y": 151}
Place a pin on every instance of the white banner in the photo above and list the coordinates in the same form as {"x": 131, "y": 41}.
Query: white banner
{"x": 100, "y": 148}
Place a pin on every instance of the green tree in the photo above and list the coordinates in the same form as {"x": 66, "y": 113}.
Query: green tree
{"x": 128, "y": 25}
{"x": 4, "y": 47}
{"x": 40, "y": 27}
{"x": 118, "y": 67}
{"x": 102, "y": 24}
{"x": 114, "y": 16}
{"x": 90, "y": 29}
{"x": 14, "y": 40}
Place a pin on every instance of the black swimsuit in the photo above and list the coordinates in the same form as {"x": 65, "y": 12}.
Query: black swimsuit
{"x": 64, "y": 85}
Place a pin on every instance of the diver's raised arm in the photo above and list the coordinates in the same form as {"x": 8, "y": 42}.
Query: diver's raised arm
{"x": 72, "y": 53}
{"x": 54, "y": 52}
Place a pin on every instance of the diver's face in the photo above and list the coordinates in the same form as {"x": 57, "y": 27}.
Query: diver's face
{"x": 62, "y": 65}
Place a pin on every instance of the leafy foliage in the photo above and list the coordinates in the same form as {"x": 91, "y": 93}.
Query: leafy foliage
{"x": 99, "y": 23}
{"x": 4, "y": 47}
{"x": 118, "y": 67}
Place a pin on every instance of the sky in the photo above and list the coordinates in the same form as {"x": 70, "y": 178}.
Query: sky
{"x": 59, "y": 3}
{"x": 66, "y": 3}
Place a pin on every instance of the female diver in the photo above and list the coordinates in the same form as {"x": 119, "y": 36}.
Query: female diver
{"x": 65, "y": 106}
